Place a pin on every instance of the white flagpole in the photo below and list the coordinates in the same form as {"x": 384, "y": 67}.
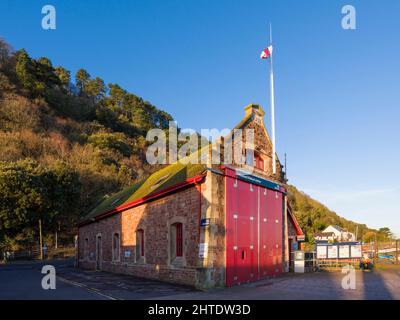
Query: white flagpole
{"x": 272, "y": 105}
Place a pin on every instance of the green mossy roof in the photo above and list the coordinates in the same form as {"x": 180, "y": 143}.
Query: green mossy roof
{"x": 158, "y": 181}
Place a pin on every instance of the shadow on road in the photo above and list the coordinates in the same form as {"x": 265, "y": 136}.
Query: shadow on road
{"x": 375, "y": 287}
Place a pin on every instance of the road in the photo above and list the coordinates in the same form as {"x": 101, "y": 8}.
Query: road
{"x": 23, "y": 281}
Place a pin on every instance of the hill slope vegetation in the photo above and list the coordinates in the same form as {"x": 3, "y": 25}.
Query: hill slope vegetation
{"x": 66, "y": 142}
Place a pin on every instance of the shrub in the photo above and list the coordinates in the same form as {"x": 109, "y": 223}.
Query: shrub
{"x": 17, "y": 112}
{"x": 112, "y": 141}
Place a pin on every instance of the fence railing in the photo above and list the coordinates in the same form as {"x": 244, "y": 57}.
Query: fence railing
{"x": 34, "y": 254}
{"x": 337, "y": 264}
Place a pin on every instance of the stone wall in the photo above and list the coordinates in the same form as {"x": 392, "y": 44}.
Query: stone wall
{"x": 155, "y": 218}
{"x": 212, "y": 273}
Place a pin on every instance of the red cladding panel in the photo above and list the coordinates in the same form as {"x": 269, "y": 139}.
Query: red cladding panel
{"x": 253, "y": 232}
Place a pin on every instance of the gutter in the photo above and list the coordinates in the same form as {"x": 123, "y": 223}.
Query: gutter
{"x": 192, "y": 181}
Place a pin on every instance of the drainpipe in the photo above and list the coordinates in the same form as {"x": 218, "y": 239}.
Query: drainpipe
{"x": 199, "y": 214}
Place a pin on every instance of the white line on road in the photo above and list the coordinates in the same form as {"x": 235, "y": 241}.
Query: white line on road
{"x": 81, "y": 285}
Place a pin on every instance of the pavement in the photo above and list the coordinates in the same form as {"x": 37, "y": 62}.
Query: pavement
{"x": 23, "y": 281}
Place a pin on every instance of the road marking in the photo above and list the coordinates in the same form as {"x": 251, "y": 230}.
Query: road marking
{"x": 81, "y": 285}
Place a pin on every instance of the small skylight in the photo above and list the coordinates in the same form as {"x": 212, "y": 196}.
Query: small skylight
{"x": 115, "y": 201}
{"x": 159, "y": 181}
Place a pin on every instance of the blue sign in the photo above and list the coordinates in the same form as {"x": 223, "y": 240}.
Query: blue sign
{"x": 205, "y": 222}
{"x": 259, "y": 181}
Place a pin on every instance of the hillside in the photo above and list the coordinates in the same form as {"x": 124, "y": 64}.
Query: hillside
{"x": 64, "y": 144}
{"x": 313, "y": 217}
{"x": 67, "y": 142}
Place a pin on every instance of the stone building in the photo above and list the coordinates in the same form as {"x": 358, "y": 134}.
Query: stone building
{"x": 204, "y": 225}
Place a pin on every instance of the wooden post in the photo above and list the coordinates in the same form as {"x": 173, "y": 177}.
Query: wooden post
{"x": 56, "y": 235}
{"x": 397, "y": 251}
{"x": 56, "y": 244}
{"x": 40, "y": 239}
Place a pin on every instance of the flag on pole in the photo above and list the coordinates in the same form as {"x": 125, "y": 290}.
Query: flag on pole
{"x": 266, "y": 53}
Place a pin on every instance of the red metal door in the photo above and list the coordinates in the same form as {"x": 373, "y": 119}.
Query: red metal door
{"x": 247, "y": 231}
{"x": 241, "y": 232}
{"x": 253, "y": 232}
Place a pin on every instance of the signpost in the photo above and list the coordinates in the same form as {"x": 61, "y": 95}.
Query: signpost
{"x": 203, "y": 250}
{"x": 344, "y": 251}
{"x": 339, "y": 251}
{"x": 333, "y": 252}
{"x": 321, "y": 252}
{"x": 355, "y": 251}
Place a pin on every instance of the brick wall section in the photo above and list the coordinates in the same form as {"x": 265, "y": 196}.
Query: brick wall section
{"x": 212, "y": 273}
{"x": 155, "y": 218}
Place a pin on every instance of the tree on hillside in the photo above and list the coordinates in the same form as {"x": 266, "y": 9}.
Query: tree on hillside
{"x": 5, "y": 51}
{"x": 87, "y": 140}
{"x": 117, "y": 96}
{"x": 82, "y": 77}
{"x": 385, "y": 234}
{"x": 25, "y": 69}
{"x": 112, "y": 141}
{"x": 314, "y": 217}
{"x": 45, "y": 73}
{"x": 30, "y": 191}
{"x": 95, "y": 90}
{"x": 369, "y": 236}
{"x": 64, "y": 76}
{"x": 35, "y": 76}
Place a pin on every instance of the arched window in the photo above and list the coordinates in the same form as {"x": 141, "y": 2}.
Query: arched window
{"x": 140, "y": 243}
{"x": 176, "y": 240}
{"x": 116, "y": 243}
{"x": 86, "y": 249}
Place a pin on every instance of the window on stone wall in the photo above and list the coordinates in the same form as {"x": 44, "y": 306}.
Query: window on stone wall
{"x": 259, "y": 162}
{"x": 254, "y": 159}
{"x": 176, "y": 241}
{"x": 86, "y": 249}
{"x": 140, "y": 244}
{"x": 116, "y": 244}
{"x": 250, "y": 157}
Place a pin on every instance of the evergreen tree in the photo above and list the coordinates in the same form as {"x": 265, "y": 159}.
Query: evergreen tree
{"x": 64, "y": 77}
{"x": 82, "y": 77}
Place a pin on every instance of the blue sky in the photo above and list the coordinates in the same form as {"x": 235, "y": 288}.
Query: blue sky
{"x": 337, "y": 91}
